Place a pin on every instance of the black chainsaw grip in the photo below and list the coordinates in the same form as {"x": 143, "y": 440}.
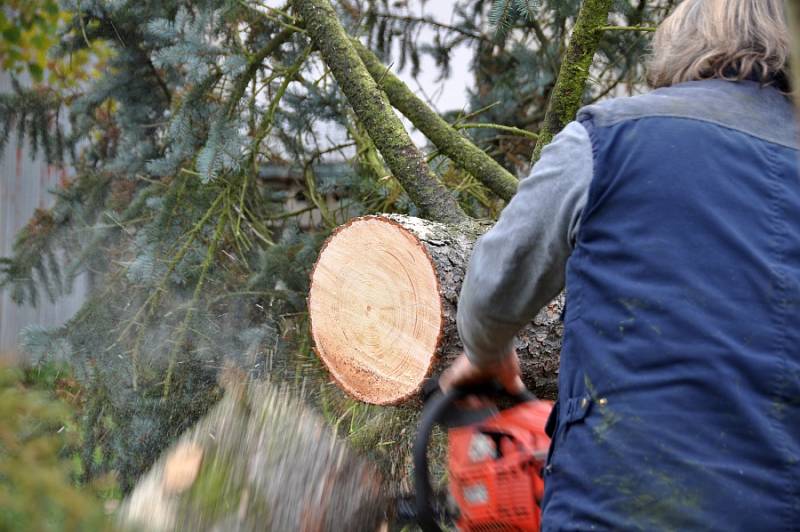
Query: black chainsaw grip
{"x": 436, "y": 404}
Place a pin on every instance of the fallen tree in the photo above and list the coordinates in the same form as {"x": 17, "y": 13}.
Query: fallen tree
{"x": 384, "y": 291}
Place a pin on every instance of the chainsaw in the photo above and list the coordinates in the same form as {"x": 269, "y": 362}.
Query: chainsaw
{"x": 495, "y": 458}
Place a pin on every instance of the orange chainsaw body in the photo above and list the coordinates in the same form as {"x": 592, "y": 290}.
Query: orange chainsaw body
{"x": 495, "y": 469}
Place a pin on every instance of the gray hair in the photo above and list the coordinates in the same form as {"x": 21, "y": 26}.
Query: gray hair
{"x": 727, "y": 39}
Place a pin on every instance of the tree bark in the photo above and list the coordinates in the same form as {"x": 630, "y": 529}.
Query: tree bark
{"x": 449, "y": 141}
{"x": 373, "y": 110}
{"x": 383, "y": 302}
{"x": 260, "y": 460}
{"x": 568, "y": 92}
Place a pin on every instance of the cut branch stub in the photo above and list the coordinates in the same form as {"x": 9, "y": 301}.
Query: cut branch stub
{"x": 383, "y": 301}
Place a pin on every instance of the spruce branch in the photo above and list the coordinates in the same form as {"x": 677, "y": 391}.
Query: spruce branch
{"x": 209, "y": 160}
{"x": 267, "y": 122}
{"x": 275, "y": 19}
{"x": 255, "y": 62}
{"x": 568, "y": 92}
{"x": 162, "y": 85}
{"x": 198, "y": 289}
{"x": 544, "y": 41}
{"x": 501, "y": 15}
{"x": 428, "y": 21}
{"x": 155, "y": 296}
{"x": 374, "y": 111}
{"x": 449, "y": 141}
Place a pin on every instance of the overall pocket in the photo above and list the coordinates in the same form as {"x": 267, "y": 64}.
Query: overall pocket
{"x": 564, "y": 414}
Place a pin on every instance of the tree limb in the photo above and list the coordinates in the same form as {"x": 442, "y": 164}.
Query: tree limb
{"x": 566, "y": 97}
{"x": 436, "y": 24}
{"x": 374, "y": 111}
{"x": 449, "y": 141}
{"x": 508, "y": 129}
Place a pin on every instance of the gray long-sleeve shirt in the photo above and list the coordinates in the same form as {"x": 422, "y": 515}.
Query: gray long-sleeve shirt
{"x": 519, "y": 265}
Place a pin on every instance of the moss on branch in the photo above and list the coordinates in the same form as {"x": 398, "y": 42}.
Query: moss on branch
{"x": 449, "y": 141}
{"x": 376, "y": 114}
{"x": 499, "y": 127}
{"x": 568, "y": 92}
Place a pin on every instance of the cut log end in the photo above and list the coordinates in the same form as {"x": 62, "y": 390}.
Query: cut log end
{"x": 376, "y": 313}
{"x": 383, "y": 304}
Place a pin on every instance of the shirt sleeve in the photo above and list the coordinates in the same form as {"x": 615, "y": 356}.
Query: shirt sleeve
{"x": 518, "y": 266}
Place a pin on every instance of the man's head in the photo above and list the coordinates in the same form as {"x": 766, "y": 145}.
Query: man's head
{"x": 727, "y": 39}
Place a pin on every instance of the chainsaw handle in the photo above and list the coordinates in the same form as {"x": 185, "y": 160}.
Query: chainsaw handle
{"x": 436, "y": 405}
{"x": 491, "y": 389}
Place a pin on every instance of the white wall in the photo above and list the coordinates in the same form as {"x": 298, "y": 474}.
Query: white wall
{"x": 24, "y": 186}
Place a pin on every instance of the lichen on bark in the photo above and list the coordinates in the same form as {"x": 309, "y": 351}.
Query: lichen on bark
{"x": 568, "y": 92}
{"x": 449, "y": 141}
{"x": 376, "y": 114}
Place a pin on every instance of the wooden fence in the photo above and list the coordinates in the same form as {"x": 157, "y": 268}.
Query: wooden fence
{"x": 24, "y": 186}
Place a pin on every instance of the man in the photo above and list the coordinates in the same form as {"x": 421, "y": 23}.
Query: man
{"x": 674, "y": 218}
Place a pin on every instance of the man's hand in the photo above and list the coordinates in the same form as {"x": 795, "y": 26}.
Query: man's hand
{"x": 463, "y": 372}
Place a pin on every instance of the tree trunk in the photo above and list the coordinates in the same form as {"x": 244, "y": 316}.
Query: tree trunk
{"x": 258, "y": 461}
{"x": 373, "y": 110}
{"x": 568, "y": 92}
{"x": 383, "y": 302}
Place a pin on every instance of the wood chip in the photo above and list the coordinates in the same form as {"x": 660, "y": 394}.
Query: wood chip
{"x": 182, "y": 467}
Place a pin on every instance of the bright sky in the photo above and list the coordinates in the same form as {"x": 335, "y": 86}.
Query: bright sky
{"x": 451, "y": 94}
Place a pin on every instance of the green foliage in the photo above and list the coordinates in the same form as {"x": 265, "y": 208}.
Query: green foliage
{"x": 505, "y": 12}
{"x": 30, "y": 112}
{"x": 28, "y": 30}
{"x": 37, "y": 491}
